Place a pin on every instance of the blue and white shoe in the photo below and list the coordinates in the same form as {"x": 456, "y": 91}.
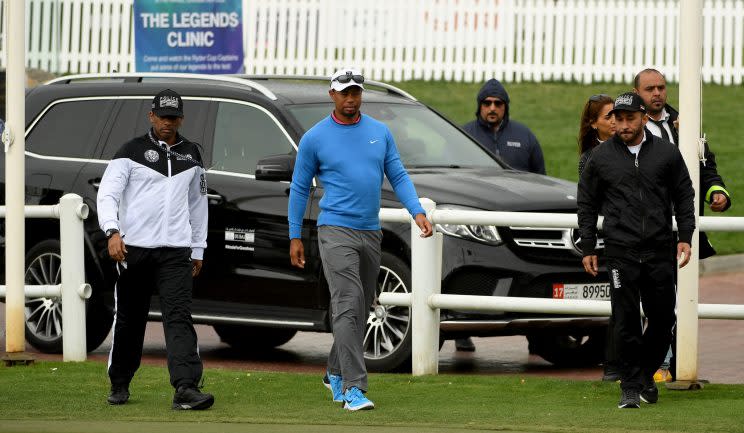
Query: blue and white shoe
{"x": 335, "y": 384}
{"x": 354, "y": 399}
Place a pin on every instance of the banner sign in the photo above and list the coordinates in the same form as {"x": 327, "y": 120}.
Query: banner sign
{"x": 194, "y": 36}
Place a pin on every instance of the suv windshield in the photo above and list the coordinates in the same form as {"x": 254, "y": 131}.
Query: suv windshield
{"x": 423, "y": 138}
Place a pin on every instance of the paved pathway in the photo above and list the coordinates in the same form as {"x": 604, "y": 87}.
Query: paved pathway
{"x": 719, "y": 351}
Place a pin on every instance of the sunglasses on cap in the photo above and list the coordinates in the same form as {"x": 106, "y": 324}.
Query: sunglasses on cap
{"x": 599, "y": 97}
{"x": 343, "y": 79}
{"x": 496, "y": 102}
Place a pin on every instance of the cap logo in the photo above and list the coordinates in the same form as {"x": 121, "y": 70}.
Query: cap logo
{"x": 168, "y": 101}
{"x": 624, "y": 100}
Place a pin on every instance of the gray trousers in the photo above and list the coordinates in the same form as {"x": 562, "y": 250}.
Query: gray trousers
{"x": 351, "y": 262}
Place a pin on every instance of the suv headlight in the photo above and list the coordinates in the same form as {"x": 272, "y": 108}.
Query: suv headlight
{"x": 485, "y": 234}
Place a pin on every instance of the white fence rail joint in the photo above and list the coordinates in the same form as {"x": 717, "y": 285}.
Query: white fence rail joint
{"x": 426, "y": 299}
{"x": 73, "y": 290}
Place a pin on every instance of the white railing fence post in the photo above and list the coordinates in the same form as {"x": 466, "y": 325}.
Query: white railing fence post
{"x": 426, "y": 280}
{"x": 689, "y": 132}
{"x": 15, "y": 169}
{"x": 75, "y": 291}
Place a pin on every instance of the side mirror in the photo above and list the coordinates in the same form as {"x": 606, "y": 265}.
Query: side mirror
{"x": 275, "y": 168}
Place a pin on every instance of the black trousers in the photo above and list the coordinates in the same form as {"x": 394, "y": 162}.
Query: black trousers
{"x": 648, "y": 282}
{"x": 167, "y": 270}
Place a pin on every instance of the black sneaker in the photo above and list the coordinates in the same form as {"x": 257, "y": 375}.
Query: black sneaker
{"x": 190, "y": 398}
{"x": 611, "y": 373}
{"x": 650, "y": 394}
{"x": 630, "y": 400}
{"x": 119, "y": 394}
{"x": 464, "y": 345}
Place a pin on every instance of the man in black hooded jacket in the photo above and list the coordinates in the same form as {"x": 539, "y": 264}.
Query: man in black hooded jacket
{"x": 509, "y": 139}
{"x": 636, "y": 180}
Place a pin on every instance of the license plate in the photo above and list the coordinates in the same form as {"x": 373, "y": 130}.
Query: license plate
{"x": 599, "y": 291}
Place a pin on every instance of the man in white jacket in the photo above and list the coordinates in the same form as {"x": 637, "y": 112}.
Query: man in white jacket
{"x": 153, "y": 194}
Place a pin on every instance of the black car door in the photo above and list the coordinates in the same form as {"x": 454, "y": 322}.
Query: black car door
{"x": 247, "y": 259}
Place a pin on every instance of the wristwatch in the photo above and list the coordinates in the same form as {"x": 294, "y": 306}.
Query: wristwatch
{"x": 110, "y": 232}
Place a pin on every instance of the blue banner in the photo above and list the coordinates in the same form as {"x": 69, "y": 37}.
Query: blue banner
{"x": 194, "y": 36}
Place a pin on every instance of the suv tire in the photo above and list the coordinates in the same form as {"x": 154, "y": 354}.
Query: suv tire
{"x": 581, "y": 349}
{"x": 253, "y": 337}
{"x": 43, "y": 316}
{"x": 387, "y": 339}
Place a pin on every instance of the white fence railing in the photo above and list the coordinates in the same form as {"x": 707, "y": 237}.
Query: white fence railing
{"x": 73, "y": 290}
{"x": 459, "y": 40}
{"x": 426, "y": 299}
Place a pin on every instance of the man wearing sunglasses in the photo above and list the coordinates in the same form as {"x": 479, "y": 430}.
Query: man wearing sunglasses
{"x": 351, "y": 154}
{"x": 511, "y": 140}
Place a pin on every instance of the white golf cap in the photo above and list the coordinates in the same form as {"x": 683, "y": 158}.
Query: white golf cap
{"x": 346, "y": 77}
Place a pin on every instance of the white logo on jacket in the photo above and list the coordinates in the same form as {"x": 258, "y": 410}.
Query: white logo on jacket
{"x": 513, "y": 144}
{"x": 152, "y": 156}
{"x": 616, "y": 278}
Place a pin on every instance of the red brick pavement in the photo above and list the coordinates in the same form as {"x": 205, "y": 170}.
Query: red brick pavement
{"x": 719, "y": 347}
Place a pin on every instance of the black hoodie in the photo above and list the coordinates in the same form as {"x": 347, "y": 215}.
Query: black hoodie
{"x": 513, "y": 141}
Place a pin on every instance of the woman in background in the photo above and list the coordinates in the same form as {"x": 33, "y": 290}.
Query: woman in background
{"x": 598, "y": 125}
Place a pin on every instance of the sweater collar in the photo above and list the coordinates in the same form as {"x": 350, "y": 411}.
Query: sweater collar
{"x": 337, "y": 120}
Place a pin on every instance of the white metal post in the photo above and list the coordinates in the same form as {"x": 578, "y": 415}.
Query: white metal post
{"x": 72, "y": 212}
{"x": 15, "y": 225}
{"x": 691, "y": 23}
{"x": 426, "y": 280}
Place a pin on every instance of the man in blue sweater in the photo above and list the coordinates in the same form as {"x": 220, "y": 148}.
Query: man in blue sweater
{"x": 350, "y": 153}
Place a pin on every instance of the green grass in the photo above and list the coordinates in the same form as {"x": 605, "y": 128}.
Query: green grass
{"x": 76, "y": 392}
{"x": 552, "y": 111}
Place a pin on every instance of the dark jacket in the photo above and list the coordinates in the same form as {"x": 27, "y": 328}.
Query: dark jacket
{"x": 513, "y": 141}
{"x": 637, "y": 202}
{"x": 583, "y": 160}
{"x": 710, "y": 181}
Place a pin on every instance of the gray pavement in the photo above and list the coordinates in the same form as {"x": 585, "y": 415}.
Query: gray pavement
{"x": 719, "y": 343}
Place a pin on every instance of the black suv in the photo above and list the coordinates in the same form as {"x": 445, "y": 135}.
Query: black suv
{"x": 249, "y": 128}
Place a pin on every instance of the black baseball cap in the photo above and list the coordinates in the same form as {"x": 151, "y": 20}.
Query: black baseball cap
{"x": 167, "y": 103}
{"x": 629, "y": 101}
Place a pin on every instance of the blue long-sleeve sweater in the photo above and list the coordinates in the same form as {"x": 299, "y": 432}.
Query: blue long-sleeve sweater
{"x": 350, "y": 161}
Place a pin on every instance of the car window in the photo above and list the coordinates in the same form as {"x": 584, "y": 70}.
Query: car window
{"x": 70, "y": 129}
{"x": 125, "y": 125}
{"x": 243, "y": 134}
{"x": 423, "y": 138}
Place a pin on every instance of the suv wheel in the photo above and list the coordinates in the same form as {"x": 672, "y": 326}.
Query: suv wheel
{"x": 387, "y": 340}
{"x": 585, "y": 348}
{"x": 253, "y": 337}
{"x": 44, "y": 315}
